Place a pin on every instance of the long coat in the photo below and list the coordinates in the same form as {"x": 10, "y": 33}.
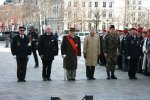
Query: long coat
{"x": 133, "y": 47}
{"x": 91, "y": 48}
{"x": 48, "y": 46}
{"x": 70, "y": 61}
{"x": 20, "y": 46}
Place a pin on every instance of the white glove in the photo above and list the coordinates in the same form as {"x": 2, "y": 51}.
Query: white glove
{"x": 128, "y": 57}
{"x": 29, "y": 44}
{"x": 78, "y": 57}
{"x": 63, "y": 56}
{"x": 28, "y": 56}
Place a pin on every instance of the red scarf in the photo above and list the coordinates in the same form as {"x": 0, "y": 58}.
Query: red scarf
{"x": 73, "y": 45}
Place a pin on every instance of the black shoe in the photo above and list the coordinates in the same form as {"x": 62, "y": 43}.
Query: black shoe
{"x": 23, "y": 80}
{"x": 93, "y": 78}
{"x": 73, "y": 79}
{"x": 36, "y": 66}
{"x": 44, "y": 79}
{"x": 48, "y": 79}
{"x": 18, "y": 80}
{"x": 133, "y": 78}
{"x": 113, "y": 77}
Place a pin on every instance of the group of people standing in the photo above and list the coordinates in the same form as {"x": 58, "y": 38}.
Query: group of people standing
{"x": 107, "y": 47}
{"x": 128, "y": 49}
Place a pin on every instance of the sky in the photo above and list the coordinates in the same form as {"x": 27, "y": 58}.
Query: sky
{"x": 1, "y": 2}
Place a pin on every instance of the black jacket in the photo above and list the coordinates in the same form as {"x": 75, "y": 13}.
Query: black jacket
{"x": 48, "y": 46}
{"x": 20, "y": 46}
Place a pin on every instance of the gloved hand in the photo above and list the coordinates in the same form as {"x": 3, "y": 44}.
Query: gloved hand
{"x": 78, "y": 57}
{"x": 29, "y": 44}
{"x": 63, "y": 56}
{"x": 28, "y": 56}
{"x": 128, "y": 57}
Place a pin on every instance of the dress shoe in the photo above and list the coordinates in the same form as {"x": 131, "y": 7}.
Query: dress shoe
{"x": 23, "y": 80}
{"x": 36, "y": 66}
{"x": 133, "y": 78}
{"x": 73, "y": 79}
{"x": 48, "y": 79}
{"x": 18, "y": 80}
{"x": 93, "y": 78}
{"x": 44, "y": 79}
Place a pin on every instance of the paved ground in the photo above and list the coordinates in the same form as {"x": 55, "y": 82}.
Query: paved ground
{"x": 36, "y": 89}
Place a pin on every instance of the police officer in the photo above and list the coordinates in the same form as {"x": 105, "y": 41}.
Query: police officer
{"x": 133, "y": 53}
{"x": 33, "y": 36}
{"x": 111, "y": 44}
{"x": 47, "y": 48}
{"x": 21, "y": 48}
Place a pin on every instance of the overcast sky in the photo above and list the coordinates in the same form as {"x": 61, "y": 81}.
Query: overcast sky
{"x": 1, "y": 2}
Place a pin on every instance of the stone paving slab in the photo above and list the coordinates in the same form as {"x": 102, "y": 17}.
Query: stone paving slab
{"x": 36, "y": 89}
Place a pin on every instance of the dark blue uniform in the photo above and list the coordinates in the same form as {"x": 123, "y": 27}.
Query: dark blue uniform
{"x": 21, "y": 49}
{"x": 133, "y": 53}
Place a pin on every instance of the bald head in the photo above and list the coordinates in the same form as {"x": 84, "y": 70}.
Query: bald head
{"x": 93, "y": 32}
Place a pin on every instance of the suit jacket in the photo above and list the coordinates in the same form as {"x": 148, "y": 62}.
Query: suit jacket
{"x": 20, "y": 46}
{"x": 133, "y": 47}
{"x": 48, "y": 46}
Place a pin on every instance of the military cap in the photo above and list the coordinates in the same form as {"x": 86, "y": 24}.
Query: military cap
{"x": 72, "y": 29}
{"x": 111, "y": 26}
{"x": 20, "y": 27}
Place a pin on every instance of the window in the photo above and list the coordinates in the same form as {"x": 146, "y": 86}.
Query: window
{"x": 54, "y": 10}
{"x": 75, "y": 4}
{"x": 104, "y": 13}
{"x": 83, "y": 4}
{"x": 89, "y": 14}
{"x": 69, "y": 14}
{"x": 128, "y": 2}
{"x": 139, "y": 8}
{"x": 69, "y": 3}
{"x": 96, "y": 4}
{"x": 134, "y": 2}
{"x": 90, "y": 4}
{"x": 134, "y": 7}
{"x": 110, "y": 4}
{"x": 139, "y": 2}
{"x": 110, "y": 14}
{"x": 104, "y": 4}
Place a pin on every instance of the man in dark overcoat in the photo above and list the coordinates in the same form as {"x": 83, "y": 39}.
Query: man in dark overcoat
{"x": 133, "y": 53}
{"x": 21, "y": 48}
{"x": 47, "y": 48}
{"x": 33, "y": 36}
{"x": 70, "y": 51}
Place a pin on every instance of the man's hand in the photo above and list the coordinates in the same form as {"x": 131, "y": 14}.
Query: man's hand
{"x": 63, "y": 56}
{"x": 128, "y": 57}
{"x": 41, "y": 56}
{"x": 105, "y": 54}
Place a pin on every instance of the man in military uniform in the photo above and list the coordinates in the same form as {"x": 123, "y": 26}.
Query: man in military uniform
{"x": 33, "y": 40}
{"x": 47, "y": 48}
{"x": 21, "y": 48}
{"x": 70, "y": 51}
{"x": 111, "y": 46}
{"x": 133, "y": 53}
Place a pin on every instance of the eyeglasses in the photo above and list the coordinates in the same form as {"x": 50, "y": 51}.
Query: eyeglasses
{"x": 22, "y": 30}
